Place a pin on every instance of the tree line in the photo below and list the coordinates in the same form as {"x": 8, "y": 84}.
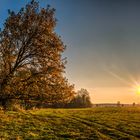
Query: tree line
{"x": 31, "y": 63}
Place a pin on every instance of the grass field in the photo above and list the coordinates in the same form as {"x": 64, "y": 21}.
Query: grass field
{"x": 65, "y": 124}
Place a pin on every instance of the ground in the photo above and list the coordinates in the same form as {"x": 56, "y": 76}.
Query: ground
{"x": 99, "y": 123}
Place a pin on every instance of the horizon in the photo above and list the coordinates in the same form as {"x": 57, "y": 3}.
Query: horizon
{"x": 102, "y": 39}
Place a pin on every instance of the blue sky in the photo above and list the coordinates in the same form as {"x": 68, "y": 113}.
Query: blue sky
{"x": 103, "y": 44}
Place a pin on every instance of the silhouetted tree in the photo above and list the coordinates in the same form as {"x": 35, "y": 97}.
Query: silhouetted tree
{"x": 81, "y": 99}
{"x": 31, "y": 64}
{"x": 134, "y": 104}
{"x": 118, "y": 103}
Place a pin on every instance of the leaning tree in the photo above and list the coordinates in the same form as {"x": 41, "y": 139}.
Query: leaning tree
{"x": 31, "y": 63}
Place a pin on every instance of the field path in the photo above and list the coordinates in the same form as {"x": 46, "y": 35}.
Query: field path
{"x": 71, "y": 124}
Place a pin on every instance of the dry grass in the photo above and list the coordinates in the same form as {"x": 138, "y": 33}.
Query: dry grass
{"x": 65, "y": 124}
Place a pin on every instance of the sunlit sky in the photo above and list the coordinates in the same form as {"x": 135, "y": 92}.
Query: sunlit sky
{"x": 103, "y": 45}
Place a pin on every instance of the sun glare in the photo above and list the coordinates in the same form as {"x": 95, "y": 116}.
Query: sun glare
{"x": 138, "y": 90}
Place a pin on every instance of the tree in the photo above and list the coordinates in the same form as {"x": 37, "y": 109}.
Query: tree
{"x": 31, "y": 65}
{"x": 118, "y": 103}
{"x": 81, "y": 99}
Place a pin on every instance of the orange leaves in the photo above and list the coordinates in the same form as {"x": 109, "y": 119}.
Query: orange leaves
{"x": 31, "y": 57}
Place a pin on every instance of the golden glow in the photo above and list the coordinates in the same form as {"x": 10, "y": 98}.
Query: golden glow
{"x": 138, "y": 90}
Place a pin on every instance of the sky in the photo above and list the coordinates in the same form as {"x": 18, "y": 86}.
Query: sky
{"x": 103, "y": 45}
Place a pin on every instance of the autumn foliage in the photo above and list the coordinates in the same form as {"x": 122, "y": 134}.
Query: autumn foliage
{"x": 31, "y": 63}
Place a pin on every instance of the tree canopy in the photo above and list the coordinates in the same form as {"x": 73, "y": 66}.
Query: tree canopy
{"x": 31, "y": 63}
{"x": 81, "y": 99}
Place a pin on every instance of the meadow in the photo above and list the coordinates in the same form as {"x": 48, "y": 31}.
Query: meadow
{"x": 99, "y": 123}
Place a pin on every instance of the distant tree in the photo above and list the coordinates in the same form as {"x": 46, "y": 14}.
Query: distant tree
{"x": 31, "y": 65}
{"x": 118, "y": 103}
{"x": 134, "y": 104}
{"x": 81, "y": 99}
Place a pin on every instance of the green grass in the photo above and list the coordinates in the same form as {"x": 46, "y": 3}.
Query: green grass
{"x": 67, "y": 124}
